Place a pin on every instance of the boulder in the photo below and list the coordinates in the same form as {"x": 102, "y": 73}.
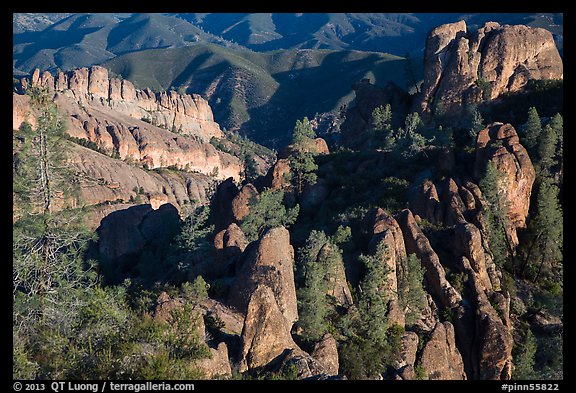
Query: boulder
{"x": 241, "y": 203}
{"x": 278, "y": 175}
{"x": 499, "y": 144}
{"x": 217, "y": 365}
{"x": 266, "y": 332}
{"x": 440, "y": 358}
{"x": 269, "y": 261}
{"x": 229, "y": 244}
{"x": 325, "y": 352}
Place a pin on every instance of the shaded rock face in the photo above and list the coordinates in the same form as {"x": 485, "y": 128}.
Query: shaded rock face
{"x": 268, "y": 261}
{"x": 462, "y": 67}
{"x": 127, "y": 232}
{"x": 440, "y": 358}
{"x": 221, "y": 209}
{"x": 368, "y": 98}
{"x": 190, "y": 114}
{"x": 499, "y": 144}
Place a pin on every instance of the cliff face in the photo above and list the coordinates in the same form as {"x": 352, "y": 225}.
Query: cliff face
{"x": 463, "y": 67}
{"x": 187, "y": 114}
{"x": 106, "y": 113}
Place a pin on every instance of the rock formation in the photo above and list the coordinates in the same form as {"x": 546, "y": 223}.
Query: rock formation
{"x": 462, "y": 67}
{"x": 190, "y": 114}
{"x": 499, "y": 144}
{"x": 229, "y": 244}
{"x": 440, "y": 358}
{"x": 266, "y": 332}
{"x": 387, "y": 232}
{"x": 417, "y": 243}
{"x": 268, "y": 261}
{"x": 104, "y": 179}
{"x": 217, "y": 365}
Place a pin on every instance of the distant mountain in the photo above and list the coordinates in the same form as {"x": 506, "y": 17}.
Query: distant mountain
{"x": 81, "y": 40}
{"x": 67, "y": 41}
{"x": 262, "y": 94}
{"x": 395, "y": 33}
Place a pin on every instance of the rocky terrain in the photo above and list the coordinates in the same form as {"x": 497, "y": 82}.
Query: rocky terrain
{"x": 205, "y": 273}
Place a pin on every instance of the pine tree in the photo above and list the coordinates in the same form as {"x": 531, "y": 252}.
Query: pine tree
{"x": 267, "y": 210}
{"x": 50, "y": 276}
{"x": 373, "y": 299}
{"x": 532, "y": 129}
{"x": 381, "y": 118}
{"x": 411, "y": 293}
{"x": 496, "y": 214}
{"x": 547, "y": 150}
{"x": 302, "y": 159}
{"x": 547, "y": 231}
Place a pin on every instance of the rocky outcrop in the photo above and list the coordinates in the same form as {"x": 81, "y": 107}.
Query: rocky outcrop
{"x": 440, "y": 359}
{"x": 229, "y": 244}
{"x": 266, "y": 332}
{"x": 408, "y": 349}
{"x": 318, "y": 146}
{"x": 417, "y": 243}
{"x": 103, "y": 179}
{"x": 462, "y": 67}
{"x": 187, "y": 114}
{"x": 133, "y": 140}
{"x": 232, "y": 321}
{"x": 493, "y": 341}
{"x": 240, "y": 205}
{"x": 278, "y": 175}
{"x": 387, "y": 233}
{"x": 268, "y": 261}
{"x": 325, "y": 352}
{"x": 499, "y": 144}
{"x": 221, "y": 207}
{"x": 425, "y": 202}
{"x": 217, "y": 365}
